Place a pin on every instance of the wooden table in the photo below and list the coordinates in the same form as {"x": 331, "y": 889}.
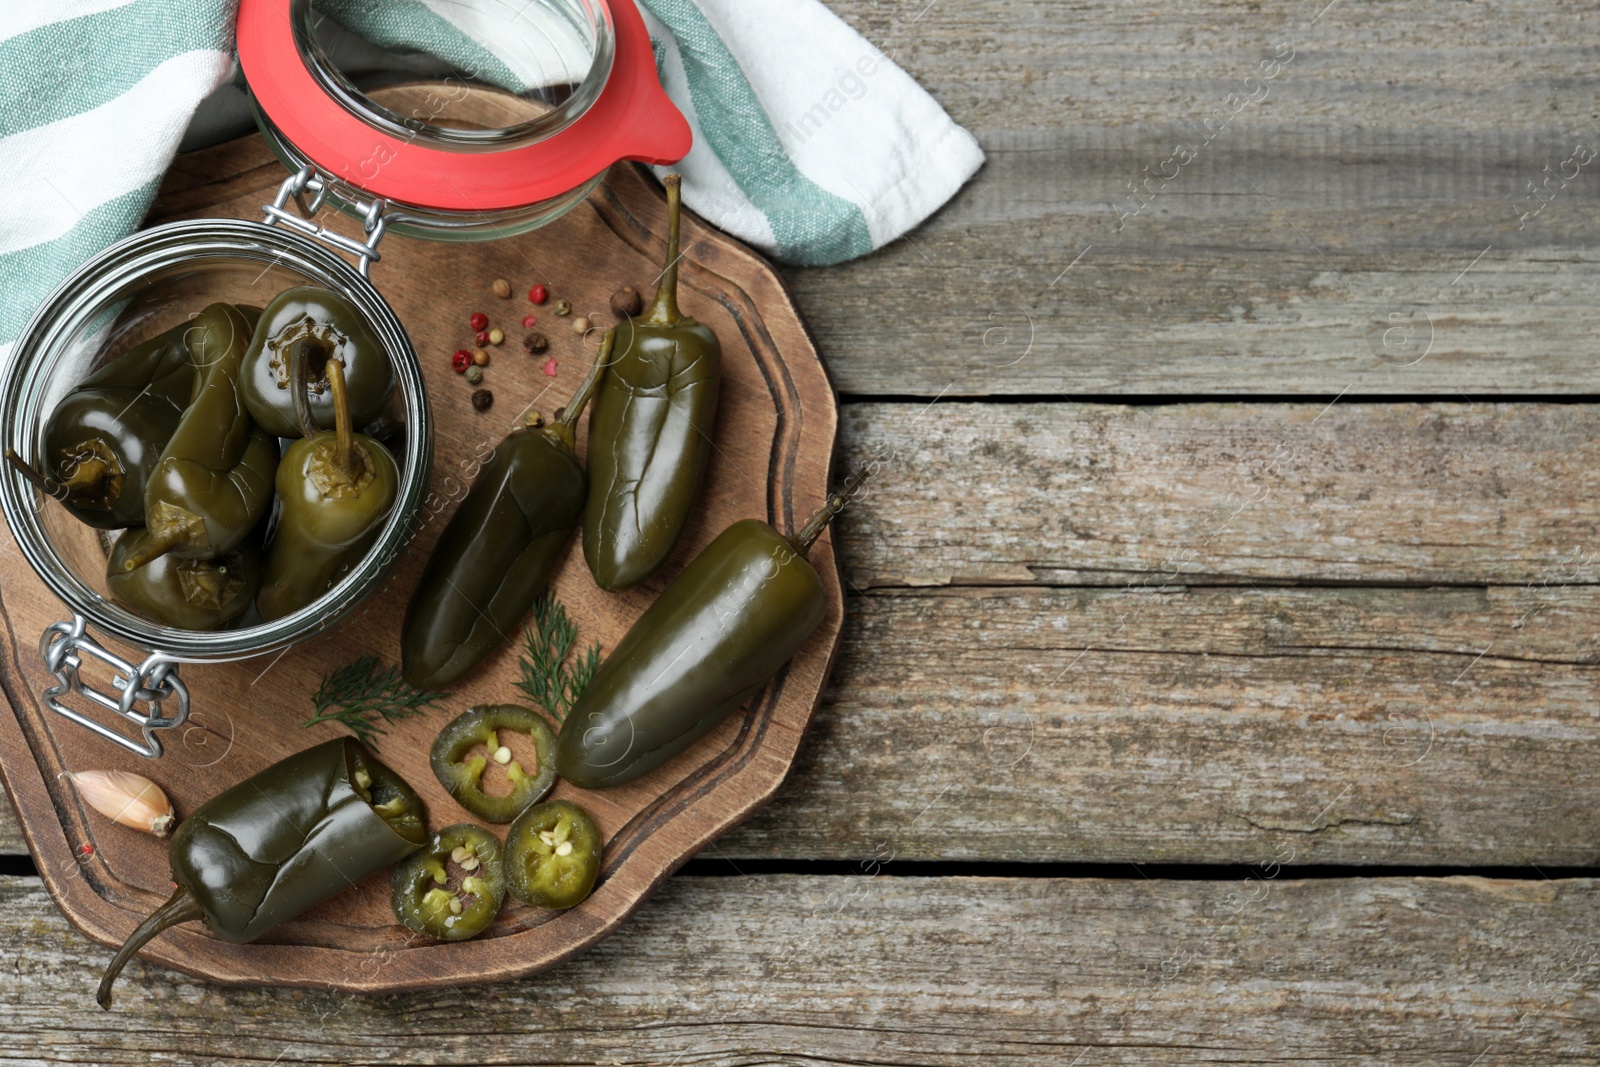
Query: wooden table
{"x": 1219, "y": 682}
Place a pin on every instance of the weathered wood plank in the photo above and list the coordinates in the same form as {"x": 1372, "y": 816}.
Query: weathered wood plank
{"x": 1203, "y": 725}
{"x": 918, "y": 971}
{"x": 1205, "y": 721}
{"x": 1198, "y": 493}
{"x": 1358, "y": 726}
{"x": 1393, "y": 151}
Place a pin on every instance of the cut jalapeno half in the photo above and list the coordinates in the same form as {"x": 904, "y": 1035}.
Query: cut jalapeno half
{"x": 462, "y": 775}
{"x": 453, "y": 888}
{"x": 553, "y": 855}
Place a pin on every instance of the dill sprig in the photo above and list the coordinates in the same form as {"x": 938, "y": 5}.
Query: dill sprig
{"x": 548, "y": 679}
{"x": 365, "y": 695}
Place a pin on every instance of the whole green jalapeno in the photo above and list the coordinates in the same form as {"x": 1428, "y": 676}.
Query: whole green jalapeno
{"x": 335, "y": 331}
{"x": 191, "y": 594}
{"x": 650, "y": 431}
{"x": 726, "y": 625}
{"x": 273, "y": 846}
{"x": 453, "y": 888}
{"x": 214, "y": 479}
{"x": 103, "y": 438}
{"x": 499, "y": 549}
{"x": 462, "y": 773}
{"x": 553, "y": 855}
{"x": 335, "y": 489}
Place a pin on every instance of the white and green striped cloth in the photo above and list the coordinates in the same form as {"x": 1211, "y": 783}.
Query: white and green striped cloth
{"x": 809, "y": 143}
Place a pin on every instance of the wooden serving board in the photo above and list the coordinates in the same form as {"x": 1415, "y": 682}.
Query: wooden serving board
{"x": 775, "y": 440}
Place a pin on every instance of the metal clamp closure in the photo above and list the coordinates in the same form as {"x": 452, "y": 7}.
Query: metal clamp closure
{"x": 306, "y": 180}
{"x": 64, "y": 646}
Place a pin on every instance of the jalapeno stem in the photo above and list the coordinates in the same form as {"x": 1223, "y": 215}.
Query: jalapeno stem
{"x": 663, "y": 310}
{"x": 835, "y": 503}
{"x": 155, "y": 546}
{"x": 179, "y": 908}
{"x": 300, "y": 386}
{"x": 345, "y": 459}
{"x": 89, "y": 474}
{"x": 580, "y": 399}
{"x": 47, "y": 486}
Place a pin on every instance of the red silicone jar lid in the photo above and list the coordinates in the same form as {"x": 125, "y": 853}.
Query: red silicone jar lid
{"x": 631, "y": 119}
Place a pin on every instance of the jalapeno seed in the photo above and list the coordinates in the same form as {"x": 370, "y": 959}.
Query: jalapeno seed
{"x": 461, "y": 773}
{"x": 552, "y": 855}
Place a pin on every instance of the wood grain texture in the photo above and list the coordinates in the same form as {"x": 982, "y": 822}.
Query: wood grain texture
{"x": 886, "y": 970}
{"x": 1204, "y": 719}
{"x": 1072, "y": 494}
{"x": 1391, "y": 154}
{"x": 777, "y": 419}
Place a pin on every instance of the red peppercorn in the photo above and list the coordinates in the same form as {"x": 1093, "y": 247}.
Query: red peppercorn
{"x": 550, "y": 367}
{"x": 538, "y": 294}
{"x": 461, "y": 361}
{"x": 482, "y": 337}
{"x": 480, "y": 321}
{"x": 529, "y": 321}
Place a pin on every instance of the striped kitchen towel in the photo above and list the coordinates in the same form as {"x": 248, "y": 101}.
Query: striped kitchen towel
{"x": 810, "y": 143}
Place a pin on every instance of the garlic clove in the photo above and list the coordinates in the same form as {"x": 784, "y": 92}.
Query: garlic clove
{"x": 128, "y": 798}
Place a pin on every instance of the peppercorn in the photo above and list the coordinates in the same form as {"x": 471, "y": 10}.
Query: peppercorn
{"x": 480, "y": 321}
{"x": 497, "y": 336}
{"x": 626, "y": 302}
{"x": 482, "y": 400}
{"x": 482, "y": 337}
{"x": 538, "y": 294}
{"x": 580, "y": 325}
{"x": 474, "y": 375}
{"x": 535, "y": 343}
{"x": 550, "y": 367}
{"x": 563, "y": 307}
{"x": 502, "y": 288}
{"x": 481, "y": 358}
{"x": 461, "y": 360}
{"x": 529, "y": 321}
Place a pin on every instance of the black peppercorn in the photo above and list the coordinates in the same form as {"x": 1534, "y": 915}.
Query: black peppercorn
{"x": 535, "y": 343}
{"x": 626, "y": 302}
{"x": 482, "y": 399}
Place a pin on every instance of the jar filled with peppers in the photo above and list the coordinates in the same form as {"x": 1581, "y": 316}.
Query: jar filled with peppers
{"x": 266, "y": 561}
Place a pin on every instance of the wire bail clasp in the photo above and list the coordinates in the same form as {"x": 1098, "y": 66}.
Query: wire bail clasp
{"x": 295, "y": 187}
{"x": 63, "y": 646}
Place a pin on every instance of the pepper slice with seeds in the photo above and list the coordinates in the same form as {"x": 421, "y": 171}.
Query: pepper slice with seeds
{"x": 453, "y": 888}
{"x": 462, "y": 775}
{"x": 553, "y": 855}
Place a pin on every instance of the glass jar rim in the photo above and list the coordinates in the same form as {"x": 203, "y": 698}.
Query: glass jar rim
{"x": 82, "y": 296}
{"x": 631, "y": 119}
{"x": 383, "y": 119}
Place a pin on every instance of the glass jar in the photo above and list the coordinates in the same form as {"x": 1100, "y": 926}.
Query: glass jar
{"x": 470, "y": 160}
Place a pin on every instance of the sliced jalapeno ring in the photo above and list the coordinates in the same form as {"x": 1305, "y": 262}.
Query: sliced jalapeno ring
{"x": 553, "y": 855}
{"x": 453, "y": 888}
{"x": 463, "y": 775}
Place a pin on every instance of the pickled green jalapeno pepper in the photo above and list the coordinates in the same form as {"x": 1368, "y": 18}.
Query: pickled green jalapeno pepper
{"x": 726, "y": 625}
{"x": 553, "y": 855}
{"x": 213, "y": 481}
{"x": 335, "y": 488}
{"x": 498, "y": 550}
{"x": 650, "y": 431}
{"x": 429, "y": 897}
{"x": 191, "y": 594}
{"x": 335, "y": 330}
{"x": 103, "y": 438}
{"x": 462, "y": 774}
{"x": 276, "y": 844}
